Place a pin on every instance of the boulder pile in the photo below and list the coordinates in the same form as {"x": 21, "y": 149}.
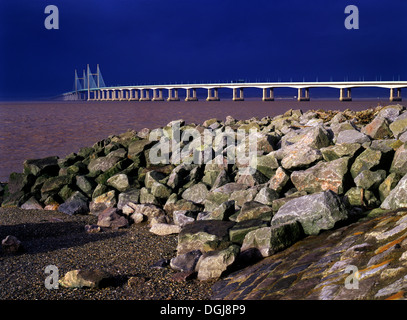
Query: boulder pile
{"x": 313, "y": 171}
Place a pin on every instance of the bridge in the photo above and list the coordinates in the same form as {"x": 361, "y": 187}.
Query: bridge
{"x": 92, "y": 87}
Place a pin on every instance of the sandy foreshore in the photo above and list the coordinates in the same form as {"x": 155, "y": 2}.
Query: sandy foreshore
{"x": 54, "y": 238}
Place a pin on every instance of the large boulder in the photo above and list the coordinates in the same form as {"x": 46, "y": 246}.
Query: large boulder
{"x": 254, "y": 210}
{"x": 321, "y": 177}
{"x": 340, "y": 150}
{"x": 315, "y": 212}
{"x": 397, "y": 198}
{"x": 42, "y": 166}
{"x": 399, "y": 125}
{"x": 399, "y": 163}
{"x": 119, "y": 181}
{"x": 212, "y": 264}
{"x": 203, "y": 235}
{"x": 269, "y": 240}
{"x": 367, "y": 160}
{"x": 77, "y": 203}
{"x": 368, "y": 179}
{"x": 378, "y": 128}
{"x": 352, "y": 136}
{"x": 196, "y": 193}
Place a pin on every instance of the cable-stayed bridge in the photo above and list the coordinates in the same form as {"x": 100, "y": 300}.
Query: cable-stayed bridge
{"x": 92, "y": 87}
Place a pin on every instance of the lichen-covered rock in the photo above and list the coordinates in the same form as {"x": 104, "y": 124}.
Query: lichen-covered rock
{"x": 254, "y": 210}
{"x": 368, "y": 179}
{"x": 399, "y": 163}
{"x": 340, "y": 150}
{"x": 102, "y": 202}
{"x": 297, "y": 157}
{"x": 352, "y": 136}
{"x": 323, "y": 176}
{"x": 397, "y": 197}
{"x": 197, "y": 193}
{"x": 367, "y": 160}
{"x": 269, "y": 240}
{"x": 77, "y": 203}
{"x": 212, "y": 264}
{"x": 119, "y": 181}
{"x": 315, "y": 212}
{"x": 378, "y": 129}
{"x": 42, "y": 166}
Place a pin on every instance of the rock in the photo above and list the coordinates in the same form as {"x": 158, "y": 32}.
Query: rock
{"x": 390, "y": 113}
{"x": 266, "y": 196}
{"x": 242, "y": 196}
{"x": 352, "y": 136}
{"x": 367, "y": 160}
{"x": 131, "y": 195}
{"x": 203, "y": 235}
{"x": 102, "y": 164}
{"x": 92, "y": 228}
{"x": 254, "y": 210}
{"x": 300, "y": 157}
{"x": 85, "y": 185}
{"x": 238, "y": 232}
{"x": 378, "y": 129}
{"x": 399, "y": 125}
{"x": 360, "y": 197}
{"x": 321, "y": 177}
{"x": 269, "y": 240}
{"x": 147, "y": 198}
{"x": 77, "y": 203}
{"x": 54, "y": 184}
{"x": 11, "y": 244}
{"x": 387, "y": 185}
{"x": 370, "y": 179}
{"x": 278, "y": 203}
{"x": 137, "y": 217}
{"x": 250, "y": 177}
{"x": 340, "y": 150}
{"x": 181, "y": 204}
{"x": 223, "y": 212}
{"x": 136, "y": 148}
{"x": 160, "y": 191}
{"x": 399, "y": 163}
{"x": 315, "y": 137}
{"x": 109, "y": 218}
{"x": 102, "y": 202}
{"x": 184, "y": 217}
{"x": 211, "y": 265}
{"x": 38, "y": 167}
{"x": 267, "y": 165}
{"x": 119, "y": 181}
{"x": 315, "y": 212}
{"x": 149, "y": 210}
{"x": 397, "y": 197}
{"x": 197, "y": 193}
{"x": 164, "y": 229}
{"x": 221, "y": 179}
{"x": 222, "y": 194}
{"x": 151, "y": 177}
{"x": 31, "y": 204}
{"x": 85, "y": 279}
{"x": 186, "y": 262}
{"x": 279, "y": 180}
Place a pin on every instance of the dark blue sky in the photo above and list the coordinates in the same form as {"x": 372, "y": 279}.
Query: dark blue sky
{"x": 157, "y": 41}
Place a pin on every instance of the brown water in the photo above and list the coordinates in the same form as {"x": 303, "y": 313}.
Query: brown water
{"x": 40, "y": 129}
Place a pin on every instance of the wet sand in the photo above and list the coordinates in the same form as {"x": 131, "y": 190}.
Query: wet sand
{"x": 39, "y": 129}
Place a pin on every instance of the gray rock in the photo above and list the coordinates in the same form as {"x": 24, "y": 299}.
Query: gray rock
{"x": 399, "y": 125}
{"x": 132, "y": 195}
{"x": 102, "y": 164}
{"x": 352, "y": 136}
{"x": 160, "y": 191}
{"x": 300, "y": 157}
{"x": 269, "y": 240}
{"x": 31, "y": 204}
{"x": 109, "y": 218}
{"x": 370, "y": 179}
{"x": 204, "y": 235}
{"x": 378, "y": 129}
{"x": 266, "y": 196}
{"x": 251, "y": 177}
{"x": 399, "y": 164}
{"x": 367, "y": 160}
{"x": 397, "y": 197}
{"x": 254, "y": 210}
{"x": 238, "y": 232}
{"x": 54, "y": 184}
{"x": 77, "y": 203}
{"x": 184, "y": 217}
{"x": 211, "y": 265}
{"x": 315, "y": 212}
{"x": 42, "y": 166}
{"x": 321, "y": 177}
{"x": 149, "y": 210}
{"x": 197, "y": 193}
{"x": 223, "y": 212}
{"x": 360, "y": 197}
{"x": 340, "y": 150}
{"x": 186, "y": 262}
{"x": 119, "y": 181}
{"x": 164, "y": 229}
{"x": 85, "y": 185}
{"x": 388, "y": 184}
{"x": 11, "y": 244}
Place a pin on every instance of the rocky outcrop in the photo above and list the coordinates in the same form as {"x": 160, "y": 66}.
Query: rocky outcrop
{"x": 309, "y": 172}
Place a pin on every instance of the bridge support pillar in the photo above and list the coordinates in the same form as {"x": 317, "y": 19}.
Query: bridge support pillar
{"x": 214, "y": 97}
{"x": 345, "y": 95}
{"x": 397, "y": 96}
{"x": 270, "y": 96}
{"x": 158, "y": 95}
{"x": 237, "y": 97}
{"x": 189, "y": 97}
{"x": 171, "y": 96}
{"x": 304, "y": 97}
{"x": 144, "y": 95}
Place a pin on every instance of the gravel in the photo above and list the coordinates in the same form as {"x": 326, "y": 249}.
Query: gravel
{"x": 54, "y": 238}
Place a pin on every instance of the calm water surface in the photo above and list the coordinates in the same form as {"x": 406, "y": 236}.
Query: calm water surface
{"x": 40, "y": 129}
